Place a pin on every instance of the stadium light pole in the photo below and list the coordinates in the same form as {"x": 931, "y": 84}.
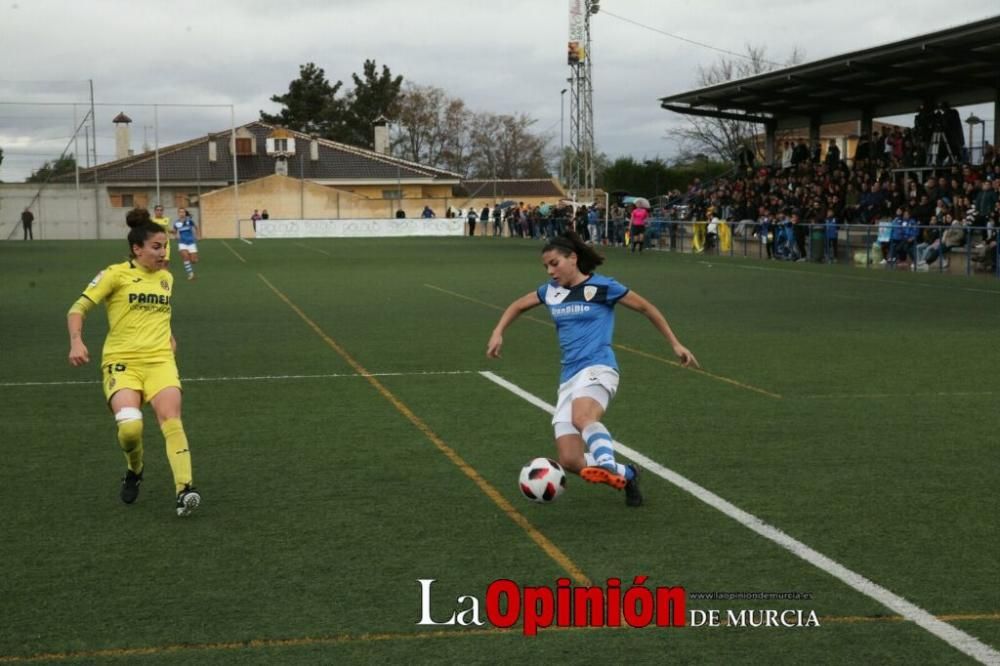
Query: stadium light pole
{"x": 562, "y": 141}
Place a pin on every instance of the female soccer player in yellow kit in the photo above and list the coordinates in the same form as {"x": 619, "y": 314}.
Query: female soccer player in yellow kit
{"x": 138, "y": 358}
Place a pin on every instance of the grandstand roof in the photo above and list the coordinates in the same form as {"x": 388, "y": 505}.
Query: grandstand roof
{"x": 958, "y": 65}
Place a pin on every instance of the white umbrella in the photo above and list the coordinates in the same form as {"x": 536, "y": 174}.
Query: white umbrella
{"x": 641, "y": 202}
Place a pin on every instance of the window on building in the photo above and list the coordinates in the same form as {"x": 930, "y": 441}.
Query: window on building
{"x": 281, "y": 145}
{"x": 188, "y": 200}
{"x": 392, "y": 194}
{"x": 244, "y": 146}
{"x": 121, "y": 200}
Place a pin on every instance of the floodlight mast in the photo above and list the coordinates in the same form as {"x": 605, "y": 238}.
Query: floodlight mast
{"x": 581, "y": 111}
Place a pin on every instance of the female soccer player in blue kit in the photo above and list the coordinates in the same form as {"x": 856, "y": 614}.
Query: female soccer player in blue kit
{"x": 581, "y": 303}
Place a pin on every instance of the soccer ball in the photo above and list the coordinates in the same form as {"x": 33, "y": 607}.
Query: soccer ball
{"x": 542, "y": 480}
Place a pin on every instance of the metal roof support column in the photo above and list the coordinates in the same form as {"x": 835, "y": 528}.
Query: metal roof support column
{"x": 770, "y": 130}
{"x": 996, "y": 116}
{"x": 866, "y": 122}
{"x": 814, "y": 134}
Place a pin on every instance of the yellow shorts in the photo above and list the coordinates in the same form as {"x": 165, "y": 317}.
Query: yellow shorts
{"x": 146, "y": 377}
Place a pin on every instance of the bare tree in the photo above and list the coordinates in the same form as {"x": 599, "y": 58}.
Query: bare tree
{"x": 502, "y": 146}
{"x": 721, "y": 138}
{"x": 435, "y": 129}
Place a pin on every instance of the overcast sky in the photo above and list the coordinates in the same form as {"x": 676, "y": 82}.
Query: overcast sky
{"x": 504, "y": 57}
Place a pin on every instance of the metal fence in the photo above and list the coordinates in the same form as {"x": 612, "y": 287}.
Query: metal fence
{"x": 957, "y": 250}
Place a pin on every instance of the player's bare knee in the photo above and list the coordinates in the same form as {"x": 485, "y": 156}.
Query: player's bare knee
{"x": 572, "y": 462}
{"x": 582, "y": 420}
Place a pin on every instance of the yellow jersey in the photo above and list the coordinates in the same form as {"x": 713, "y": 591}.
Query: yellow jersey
{"x": 167, "y": 224}
{"x": 138, "y": 304}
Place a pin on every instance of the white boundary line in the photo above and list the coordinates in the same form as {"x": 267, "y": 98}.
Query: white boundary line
{"x": 260, "y": 378}
{"x": 955, "y": 637}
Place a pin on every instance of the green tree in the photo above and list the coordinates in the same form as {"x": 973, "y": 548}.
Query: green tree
{"x": 63, "y": 165}
{"x": 310, "y": 105}
{"x": 653, "y": 178}
{"x": 375, "y": 95}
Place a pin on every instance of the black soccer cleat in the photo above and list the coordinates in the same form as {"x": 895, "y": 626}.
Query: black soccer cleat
{"x": 633, "y": 496}
{"x": 130, "y": 486}
{"x": 187, "y": 501}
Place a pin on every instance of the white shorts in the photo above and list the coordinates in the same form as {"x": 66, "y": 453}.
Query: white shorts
{"x": 599, "y": 382}
{"x": 190, "y": 247}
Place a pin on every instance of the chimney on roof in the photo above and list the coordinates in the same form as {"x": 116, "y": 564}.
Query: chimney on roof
{"x": 122, "y": 136}
{"x": 213, "y": 149}
{"x": 381, "y": 135}
{"x": 313, "y": 148}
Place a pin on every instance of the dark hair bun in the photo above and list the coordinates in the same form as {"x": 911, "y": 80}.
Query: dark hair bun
{"x": 137, "y": 217}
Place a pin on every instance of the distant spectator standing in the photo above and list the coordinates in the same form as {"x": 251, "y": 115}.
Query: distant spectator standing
{"x": 831, "y": 229}
{"x": 400, "y": 214}
{"x": 484, "y": 219}
{"x": 786, "y": 156}
{"x": 27, "y": 219}
{"x": 471, "y": 218}
{"x": 953, "y": 131}
{"x": 832, "y": 155}
{"x": 264, "y": 215}
{"x": 427, "y": 213}
{"x": 254, "y": 218}
{"x": 497, "y": 220}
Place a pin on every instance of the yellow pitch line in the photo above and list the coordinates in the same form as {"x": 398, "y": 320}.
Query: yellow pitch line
{"x": 256, "y": 643}
{"x": 662, "y": 359}
{"x": 234, "y": 252}
{"x": 543, "y": 542}
{"x": 930, "y": 394}
{"x": 727, "y": 380}
{"x": 259, "y": 643}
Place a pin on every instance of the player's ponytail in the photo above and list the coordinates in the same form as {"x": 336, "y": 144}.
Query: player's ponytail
{"x": 137, "y": 217}
{"x": 570, "y": 242}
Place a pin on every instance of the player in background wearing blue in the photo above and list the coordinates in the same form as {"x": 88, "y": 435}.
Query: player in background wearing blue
{"x": 187, "y": 234}
{"x": 581, "y": 303}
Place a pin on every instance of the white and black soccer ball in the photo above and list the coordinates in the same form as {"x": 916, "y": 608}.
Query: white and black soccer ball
{"x": 542, "y": 480}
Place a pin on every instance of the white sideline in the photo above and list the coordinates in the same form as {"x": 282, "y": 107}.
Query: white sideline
{"x": 955, "y": 637}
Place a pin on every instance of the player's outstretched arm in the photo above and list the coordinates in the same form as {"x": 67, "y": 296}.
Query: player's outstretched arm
{"x": 634, "y": 301}
{"x": 512, "y": 312}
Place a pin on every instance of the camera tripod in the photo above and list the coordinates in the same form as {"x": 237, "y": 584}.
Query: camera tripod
{"x": 935, "y": 145}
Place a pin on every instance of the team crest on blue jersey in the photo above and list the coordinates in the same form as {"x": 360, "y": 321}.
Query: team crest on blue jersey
{"x": 589, "y": 292}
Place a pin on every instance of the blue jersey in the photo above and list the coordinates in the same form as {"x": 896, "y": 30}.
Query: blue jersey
{"x": 185, "y": 231}
{"x": 585, "y": 321}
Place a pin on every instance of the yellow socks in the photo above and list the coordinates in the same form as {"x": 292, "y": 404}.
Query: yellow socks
{"x": 177, "y": 452}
